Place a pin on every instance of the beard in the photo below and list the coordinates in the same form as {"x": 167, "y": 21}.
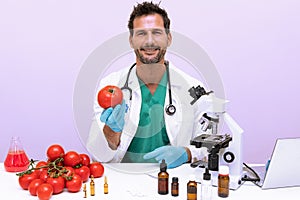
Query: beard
{"x": 161, "y": 53}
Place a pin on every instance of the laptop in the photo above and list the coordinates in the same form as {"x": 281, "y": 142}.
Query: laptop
{"x": 283, "y": 169}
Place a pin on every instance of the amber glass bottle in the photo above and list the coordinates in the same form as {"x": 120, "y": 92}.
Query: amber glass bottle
{"x": 175, "y": 187}
{"x": 163, "y": 179}
{"x": 192, "y": 189}
{"x": 223, "y": 181}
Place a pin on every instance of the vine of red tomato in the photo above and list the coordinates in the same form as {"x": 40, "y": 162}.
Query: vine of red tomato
{"x": 62, "y": 169}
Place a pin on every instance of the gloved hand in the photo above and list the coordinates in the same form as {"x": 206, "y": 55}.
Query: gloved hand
{"x": 114, "y": 117}
{"x": 174, "y": 156}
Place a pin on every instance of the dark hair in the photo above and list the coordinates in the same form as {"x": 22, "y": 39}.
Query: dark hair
{"x": 148, "y": 8}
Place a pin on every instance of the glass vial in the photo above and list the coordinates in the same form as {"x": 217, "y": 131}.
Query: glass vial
{"x": 163, "y": 179}
{"x": 175, "y": 187}
{"x": 92, "y": 186}
{"x": 16, "y": 159}
{"x": 206, "y": 186}
{"x": 84, "y": 191}
{"x": 105, "y": 186}
{"x": 223, "y": 181}
{"x": 192, "y": 189}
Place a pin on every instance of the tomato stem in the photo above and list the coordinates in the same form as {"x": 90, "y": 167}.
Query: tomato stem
{"x": 53, "y": 168}
{"x": 111, "y": 91}
{"x": 29, "y": 169}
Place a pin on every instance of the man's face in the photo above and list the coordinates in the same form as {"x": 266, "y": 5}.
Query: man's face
{"x": 149, "y": 39}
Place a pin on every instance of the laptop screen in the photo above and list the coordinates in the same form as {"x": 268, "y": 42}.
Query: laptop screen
{"x": 284, "y": 167}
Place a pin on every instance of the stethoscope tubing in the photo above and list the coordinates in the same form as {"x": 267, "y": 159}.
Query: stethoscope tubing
{"x": 170, "y": 109}
{"x": 126, "y": 87}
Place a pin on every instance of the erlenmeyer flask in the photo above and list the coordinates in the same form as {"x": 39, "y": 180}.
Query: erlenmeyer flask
{"x": 16, "y": 159}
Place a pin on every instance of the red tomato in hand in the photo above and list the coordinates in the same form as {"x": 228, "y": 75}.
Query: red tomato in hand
{"x": 58, "y": 184}
{"x": 55, "y": 151}
{"x": 110, "y": 96}
{"x": 32, "y": 188}
{"x": 83, "y": 172}
{"x": 96, "y": 169}
{"x": 72, "y": 159}
{"x": 85, "y": 159}
{"x": 44, "y": 191}
{"x": 26, "y": 179}
{"x": 74, "y": 185}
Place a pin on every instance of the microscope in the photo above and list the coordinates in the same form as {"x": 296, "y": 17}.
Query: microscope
{"x": 223, "y": 149}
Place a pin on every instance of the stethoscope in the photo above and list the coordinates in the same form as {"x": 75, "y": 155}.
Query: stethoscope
{"x": 170, "y": 109}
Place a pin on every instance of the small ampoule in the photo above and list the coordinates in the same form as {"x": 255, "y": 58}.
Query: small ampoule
{"x": 84, "y": 191}
{"x": 105, "y": 185}
{"x": 92, "y": 186}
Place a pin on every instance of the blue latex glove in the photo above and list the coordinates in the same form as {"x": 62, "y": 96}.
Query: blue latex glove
{"x": 114, "y": 117}
{"x": 174, "y": 156}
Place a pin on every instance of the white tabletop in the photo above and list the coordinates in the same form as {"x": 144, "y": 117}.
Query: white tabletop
{"x": 138, "y": 181}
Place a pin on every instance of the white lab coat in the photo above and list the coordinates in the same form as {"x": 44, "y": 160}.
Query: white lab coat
{"x": 181, "y": 127}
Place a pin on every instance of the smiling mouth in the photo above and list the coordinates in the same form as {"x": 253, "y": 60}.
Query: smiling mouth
{"x": 150, "y": 50}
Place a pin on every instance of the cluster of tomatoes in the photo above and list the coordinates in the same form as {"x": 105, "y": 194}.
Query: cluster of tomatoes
{"x": 62, "y": 170}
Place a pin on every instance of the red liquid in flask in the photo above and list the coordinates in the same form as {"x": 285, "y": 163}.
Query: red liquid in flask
{"x": 16, "y": 159}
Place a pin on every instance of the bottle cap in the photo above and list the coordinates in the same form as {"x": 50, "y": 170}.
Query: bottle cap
{"x": 175, "y": 179}
{"x": 223, "y": 170}
{"x": 163, "y": 166}
{"x": 206, "y": 175}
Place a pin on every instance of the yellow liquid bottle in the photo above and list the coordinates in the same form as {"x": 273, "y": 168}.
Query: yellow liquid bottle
{"x": 105, "y": 185}
{"x": 92, "y": 186}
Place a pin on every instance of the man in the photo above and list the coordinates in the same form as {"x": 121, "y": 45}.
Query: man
{"x": 141, "y": 130}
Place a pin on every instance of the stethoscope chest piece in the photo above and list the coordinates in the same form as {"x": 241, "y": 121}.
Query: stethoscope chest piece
{"x": 170, "y": 109}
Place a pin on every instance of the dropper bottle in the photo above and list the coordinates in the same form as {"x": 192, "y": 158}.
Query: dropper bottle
{"x": 206, "y": 186}
{"x": 163, "y": 179}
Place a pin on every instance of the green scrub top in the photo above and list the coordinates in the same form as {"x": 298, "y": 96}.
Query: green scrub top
{"x": 151, "y": 132}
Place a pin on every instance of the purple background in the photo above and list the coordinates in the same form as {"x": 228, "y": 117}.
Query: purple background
{"x": 254, "y": 45}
